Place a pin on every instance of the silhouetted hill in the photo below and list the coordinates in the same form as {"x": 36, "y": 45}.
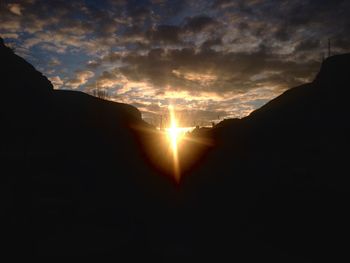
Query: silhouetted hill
{"x": 309, "y": 120}
{"x": 273, "y": 186}
{"x": 76, "y": 180}
{"x": 284, "y": 169}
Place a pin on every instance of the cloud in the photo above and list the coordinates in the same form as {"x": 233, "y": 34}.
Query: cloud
{"x": 10, "y": 35}
{"x": 210, "y": 43}
{"x": 199, "y": 23}
{"x": 307, "y": 45}
{"x": 80, "y": 78}
{"x": 164, "y": 34}
{"x": 54, "y": 62}
{"x": 210, "y": 71}
{"x": 56, "y": 82}
{"x": 207, "y": 56}
{"x": 15, "y": 9}
{"x": 109, "y": 79}
{"x": 9, "y": 26}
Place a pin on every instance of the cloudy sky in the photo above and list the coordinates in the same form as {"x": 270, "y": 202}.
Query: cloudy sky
{"x": 211, "y": 59}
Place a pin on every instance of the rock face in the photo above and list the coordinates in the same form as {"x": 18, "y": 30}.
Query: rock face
{"x": 275, "y": 185}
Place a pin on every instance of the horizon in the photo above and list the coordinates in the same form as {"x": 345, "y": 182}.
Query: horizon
{"x": 212, "y": 59}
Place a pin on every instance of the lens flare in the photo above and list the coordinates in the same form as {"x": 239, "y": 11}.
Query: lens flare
{"x": 174, "y": 134}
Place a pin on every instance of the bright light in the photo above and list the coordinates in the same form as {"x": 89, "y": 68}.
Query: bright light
{"x": 174, "y": 134}
{"x": 173, "y": 130}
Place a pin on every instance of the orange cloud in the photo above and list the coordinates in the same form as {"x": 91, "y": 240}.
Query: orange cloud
{"x": 15, "y": 9}
{"x": 80, "y": 78}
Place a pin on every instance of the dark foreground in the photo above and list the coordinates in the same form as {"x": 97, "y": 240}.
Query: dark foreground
{"x": 78, "y": 179}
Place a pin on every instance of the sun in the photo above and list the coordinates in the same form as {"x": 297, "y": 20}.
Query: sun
{"x": 173, "y": 130}
{"x": 174, "y": 136}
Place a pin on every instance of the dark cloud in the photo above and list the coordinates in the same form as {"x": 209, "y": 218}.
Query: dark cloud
{"x": 138, "y": 14}
{"x": 164, "y": 34}
{"x": 215, "y": 56}
{"x": 219, "y": 4}
{"x": 214, "y": 71}
{"x": 307, "y": 45}
{"x": 198, "y": 23}
{"x": 283, "y": 34}
{"x": 211, "y": 43}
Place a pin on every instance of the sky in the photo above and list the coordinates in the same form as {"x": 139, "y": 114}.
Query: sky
{"x": 210, "y": 59}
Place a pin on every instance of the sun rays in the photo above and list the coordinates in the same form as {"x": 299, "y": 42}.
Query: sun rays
{"x": 174, "y": 149}
{"x": 174, "y": 135}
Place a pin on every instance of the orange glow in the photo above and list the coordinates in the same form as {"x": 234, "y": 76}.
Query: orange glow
{"x": 174, "y": 134}
{"x": 174, "y": 150}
